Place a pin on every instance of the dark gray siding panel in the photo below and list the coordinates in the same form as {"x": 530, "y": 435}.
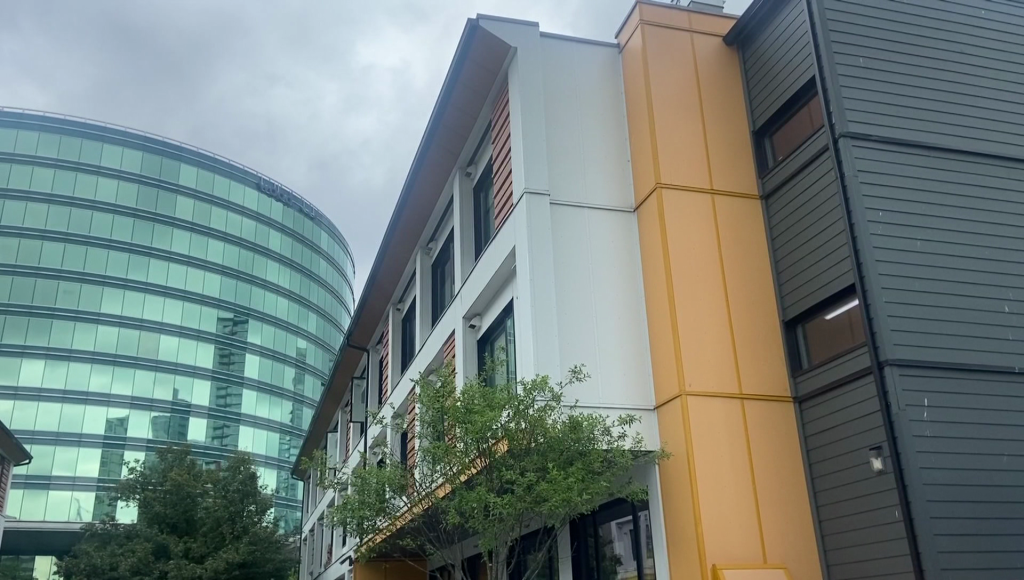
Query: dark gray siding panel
{"x": 807, "y": 229}
{"x": 851, "y": 363}
{"x": 947, "y": 234}
{"x": 863, "y": 535}
{"x": 945, "y": 72}
{"x": 777, "y": 59}
{"x": 807, "y": 153}
{"x": 964, "y": 433}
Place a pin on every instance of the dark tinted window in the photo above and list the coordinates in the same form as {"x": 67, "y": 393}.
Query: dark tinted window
{"x": 836, "y": 328}
{"x": 790, "y": 134}
{"x": 613, "y": 542}
{"x": 403, "y": 448}
{"x": 534, "y": 551}
{"x": 442, "y": 278}
{"x": 483, "y": 209}
{"x": 498, "y": 344}
{"x": 408, "y": 335}
{"x": 380, "y": 380}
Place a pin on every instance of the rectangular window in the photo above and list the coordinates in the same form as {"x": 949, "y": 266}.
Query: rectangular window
{"x": 613, "y": 542}
{"x": 830, "y": 331}
{"x": 473, "y": 567}
{"x": 799, "y": 120}
{"x": 442, "y": 278}
{"x": 380, "y": 379}
{"x": 497, "y": 347}
{"x": 483, "y": 209}
{"x": 534, "y": 551}
{"x": 408, "y": 335}
{"x": 403, "y": 448}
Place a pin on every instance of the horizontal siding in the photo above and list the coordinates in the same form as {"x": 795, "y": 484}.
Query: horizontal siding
{"x": 853, "y": 362}
{"x": 863, "y": 535}
{"x": 777, "y": 59}
{"x": 938, "y": 87}
{"x": 947, "y": 234}
{"x": 965, "y": 432}
{"x": 786, "y": 169}
{"x": 949, "y": 73}
{"x": 807, "y": 229}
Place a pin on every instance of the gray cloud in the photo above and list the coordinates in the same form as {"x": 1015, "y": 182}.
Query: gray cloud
{"x": 330, "y": 98}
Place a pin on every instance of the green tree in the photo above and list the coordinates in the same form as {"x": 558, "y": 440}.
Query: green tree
{"x": 494, "y": 463}
{"x": 192, "y": 524}
{"x": 15, "y": 568}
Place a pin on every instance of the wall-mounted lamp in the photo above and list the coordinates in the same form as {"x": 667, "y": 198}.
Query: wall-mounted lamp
{"x": 474, "y": 323}
{"x": 431, "y": 246}
{"x": 876, "y": 460}
{"x": 470, "y": 171}
{"x": 398, "y": 308}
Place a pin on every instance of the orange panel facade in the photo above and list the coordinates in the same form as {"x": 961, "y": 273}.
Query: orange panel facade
{"x": 734, "y": 492}
{"x": 385, "y": 364}
{"x": 501, "y": 156}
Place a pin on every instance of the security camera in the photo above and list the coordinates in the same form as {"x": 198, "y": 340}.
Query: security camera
{"x": 470, "y": 171}
{"x": 474, "y": 323}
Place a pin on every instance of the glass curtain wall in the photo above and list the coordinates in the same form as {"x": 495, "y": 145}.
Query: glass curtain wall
{"x": 151, "y": 293}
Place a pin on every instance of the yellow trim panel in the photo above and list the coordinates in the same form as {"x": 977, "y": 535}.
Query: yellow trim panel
{"x": 735, "y": 489}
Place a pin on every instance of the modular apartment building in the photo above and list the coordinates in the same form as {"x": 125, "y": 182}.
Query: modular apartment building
{"x": 514, "y": 230}
{"x": 527, "y": 180}
{"x": 824, "y": 199}
{"x": 891, "y": 163}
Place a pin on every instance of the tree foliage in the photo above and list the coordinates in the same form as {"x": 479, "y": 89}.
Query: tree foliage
{"x": 492, "y": 462}
{"x": 192, "y": 524}
{"x": 12, "y": 569}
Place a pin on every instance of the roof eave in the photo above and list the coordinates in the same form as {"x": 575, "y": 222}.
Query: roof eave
{"x": 11, "y": 448}
{"x": 479, "y": 56}
{"x": 746, "y": 21}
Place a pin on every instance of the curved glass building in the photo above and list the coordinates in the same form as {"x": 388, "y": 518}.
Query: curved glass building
{"x": 152, "y": 293}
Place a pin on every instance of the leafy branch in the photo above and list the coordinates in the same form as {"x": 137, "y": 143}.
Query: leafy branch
{"x": 492, "y": 464}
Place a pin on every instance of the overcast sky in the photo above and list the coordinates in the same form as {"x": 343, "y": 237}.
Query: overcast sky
{"x": 330, "y": 98}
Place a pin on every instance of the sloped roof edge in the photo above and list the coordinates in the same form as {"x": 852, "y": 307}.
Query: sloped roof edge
{"x": 479, "y": 58}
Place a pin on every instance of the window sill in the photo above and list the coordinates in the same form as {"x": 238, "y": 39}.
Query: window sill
{"x": 820, "y": 365}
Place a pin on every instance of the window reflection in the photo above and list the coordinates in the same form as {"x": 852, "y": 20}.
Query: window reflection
{"x": 130, "y": 342}
{"x": 75, "y": 417}
{"x": 836, "y": 328}
{"x": 164, "y": 202}
{"x": 117, "y": 301}
{"x": 613, "y": 543}
{"x": 29, "y": 567}
{"x": 534, "y": 551}
{"x": 790, "y": 134}
{"x": 109, "y": 463}
{"x": 497, "y": 348}
{"x": 85, "y": 316}
{"x": 142, "y": 424}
